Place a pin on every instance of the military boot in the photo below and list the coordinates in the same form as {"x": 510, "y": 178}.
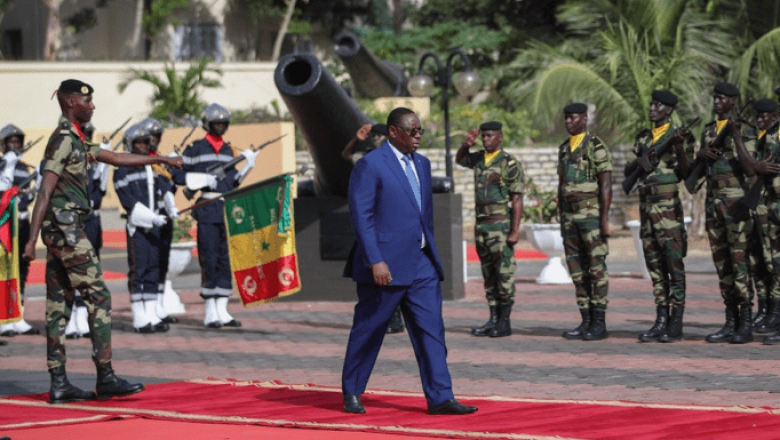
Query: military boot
{"x": 725, "y": 333}
{"x": 744, "y": 332}
{"x": 110, "y": 385}
{"x": 580, "y": 331}
{"x": 661, "y": 320}
{"x": 772, "y": 339}
{"x": 61, "y": 391}
{"x": 673, "y": 330}
{"x": 489, "y": 325}
{"x": 503, "y": 327}
{"x": 771, "y": 322}
{"x": 396, "y": 322}
{"x": 761, "y": 313}
{"x": 598, "y": 327}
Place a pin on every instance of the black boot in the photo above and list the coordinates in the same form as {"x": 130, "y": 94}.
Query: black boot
{"x": 771, "y": 322}
{"x": 503, "y": 327}
{"x": 62, "y": 391}
{"x": 109, "y": 385}
{"x": 761, "y": 313}
{"x": 744, "y": 332}
{"x": 673, "y": 331}
{"x": 772, "y": 339}
{"x": 580, "y": 331}
{"x": 661, "y": 320}
{"x": 489, "y": 325}
{"x": 725, "y": 334}
{"x": 396, "y": 322}
{"x": 598, "y": 327}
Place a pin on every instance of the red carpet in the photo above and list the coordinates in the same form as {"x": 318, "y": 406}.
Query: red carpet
{"x": 37, "y": 274}
{"x": 310, "y": 407}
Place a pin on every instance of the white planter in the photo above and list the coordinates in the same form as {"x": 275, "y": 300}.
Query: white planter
{"x": 547, "y": 238}
{"x": 179, "y": 258}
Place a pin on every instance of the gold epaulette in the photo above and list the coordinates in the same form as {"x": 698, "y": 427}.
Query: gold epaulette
{"x": 235, "y": 150}
{"x": 161, "y": 170}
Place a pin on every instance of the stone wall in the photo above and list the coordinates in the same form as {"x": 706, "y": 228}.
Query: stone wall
{"x": 539, "y": 163}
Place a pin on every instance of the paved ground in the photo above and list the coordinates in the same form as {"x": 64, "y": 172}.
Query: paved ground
{"x": 298, "y": 342}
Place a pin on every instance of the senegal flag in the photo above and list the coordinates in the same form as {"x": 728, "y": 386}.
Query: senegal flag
{"x": 10, "y": 300}
{"x": 261, "y": 240}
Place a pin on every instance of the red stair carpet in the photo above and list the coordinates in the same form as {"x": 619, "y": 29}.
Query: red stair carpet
{"x": 210, "y": 409}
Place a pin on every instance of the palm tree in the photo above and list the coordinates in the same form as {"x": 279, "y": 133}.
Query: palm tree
{"x": 174, "y": 94}
{"x": 614, "y": 54}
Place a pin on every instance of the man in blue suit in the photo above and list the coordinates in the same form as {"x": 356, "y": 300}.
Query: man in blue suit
{"x": 394, "y": 262}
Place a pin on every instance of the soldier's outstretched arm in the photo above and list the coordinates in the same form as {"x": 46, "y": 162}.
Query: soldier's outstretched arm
{"x": 137, "y": 160}
{"x": 48, "y": 183}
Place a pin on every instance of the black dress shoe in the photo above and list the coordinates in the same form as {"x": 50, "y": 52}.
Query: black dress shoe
{"x": 147, "y": 329}
{"x": 232, "y": 323}
{"x": 8, "y": 333}
{"x": 214, "y": 324}
{"x": 353, "y": 405}
{"x": 170, "y": 320}
{"x": 6, "y": 343}
{"x": 452, "y": 407}
{"x": 72, "y": 336}
{"x": 31, "y": 331}
{"x": 161, "y": 327}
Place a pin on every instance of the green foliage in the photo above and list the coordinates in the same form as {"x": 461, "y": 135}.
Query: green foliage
{"x": 174, "y": 94}
{"x": 181, "y": 228}
{"x": 539, "y": 206}
{"x": 159, "y": 14}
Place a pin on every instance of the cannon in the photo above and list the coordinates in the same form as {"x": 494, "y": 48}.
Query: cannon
{"x": 372, "y": 78}
{"x": 324, "y": 113}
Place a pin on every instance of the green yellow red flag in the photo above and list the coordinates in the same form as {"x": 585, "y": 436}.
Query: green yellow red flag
{"x": 261, "y": 240}
{"x": 10, "y": 299}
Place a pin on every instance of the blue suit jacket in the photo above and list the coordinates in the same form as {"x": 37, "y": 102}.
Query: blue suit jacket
{"x": 387, "y": 222}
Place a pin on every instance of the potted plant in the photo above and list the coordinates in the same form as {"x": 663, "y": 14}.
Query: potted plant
{"x": 543, "y": 230}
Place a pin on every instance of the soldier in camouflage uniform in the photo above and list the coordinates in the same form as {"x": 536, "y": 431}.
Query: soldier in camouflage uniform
{"x": 584, "y": 194}
{"x": 70, "y": 259}
{"x": 728, "y": 224}
{"x": 758, "y": 159}
{"x": 498, "y": 192}
{"x": 664, "y": 240}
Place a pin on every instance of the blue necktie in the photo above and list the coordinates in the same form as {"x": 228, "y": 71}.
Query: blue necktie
{"x": 412, "y": 181}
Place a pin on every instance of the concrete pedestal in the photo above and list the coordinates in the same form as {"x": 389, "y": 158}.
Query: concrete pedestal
{"x": 324, "y": 237}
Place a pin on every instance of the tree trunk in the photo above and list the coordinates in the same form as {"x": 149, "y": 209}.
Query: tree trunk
{"x": 399, "y": 15}
{"x": 283, "y": 30}
{"x": 52, "y": 29}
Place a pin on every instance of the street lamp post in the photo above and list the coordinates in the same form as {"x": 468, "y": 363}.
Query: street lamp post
{"x": 467, "y": 83}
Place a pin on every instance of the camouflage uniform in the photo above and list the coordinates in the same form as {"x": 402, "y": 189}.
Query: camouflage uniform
{"x": 664, "y": 239}
{"x": 729, "y": 226}
{"x": 760, "y": 248}
{"x": 71, "y": 262}
{"x": 771, "y": 202}
{"x": 586, "y": 250}
{"x": 494, "y": 185}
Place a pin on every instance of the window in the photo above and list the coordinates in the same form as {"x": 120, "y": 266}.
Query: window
{"x": 197, "y": 40}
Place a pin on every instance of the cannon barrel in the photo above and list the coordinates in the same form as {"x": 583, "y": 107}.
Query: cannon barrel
{"x": 372, "y": 78}
{"x": 324, "y": 113}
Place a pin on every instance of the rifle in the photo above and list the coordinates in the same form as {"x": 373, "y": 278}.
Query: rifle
{"x": 693, "y": 179}
{"x": 108, "y": 139}
{"x": 751, "y": 198}
{"x": 654, "y": 156}
{"x": 176, "y": 149}
{"x": 29, "y": 145}
{"x": 22, "y": 186}
{"x": 219, "y": 169}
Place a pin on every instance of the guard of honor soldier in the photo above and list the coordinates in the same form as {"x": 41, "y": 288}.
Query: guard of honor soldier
{"x": 584, "y": 197}
{"x": 499, "y": 182}
{"x": 664, "y": 240}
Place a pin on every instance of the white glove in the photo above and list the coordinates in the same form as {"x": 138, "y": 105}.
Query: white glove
{"x": 10, "y": 158}
{"x": 170, "y": 205}
{"x": 173, "y": 154}
{"x": 142, "y": 217}
{"x": 250, "y": 156}
{"x": 198, "y": 181}
{"x": 7, "y": 174}
{"x": 159, "y": 220}
{"x": 105, "y": 145}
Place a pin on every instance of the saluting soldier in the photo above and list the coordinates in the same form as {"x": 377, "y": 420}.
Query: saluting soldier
{"x": 728, "y": 224}
{"x": 499, "y": 181}
{"x": 20, "y": 174}
{"x": 584, "y": 197}
{"x": 167, "y": 207}
{"x": 216, "y": 276}
{"x": 139, "y": 191}
{"x": 664, "y": 240}
{"x": 71, "y": 262}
